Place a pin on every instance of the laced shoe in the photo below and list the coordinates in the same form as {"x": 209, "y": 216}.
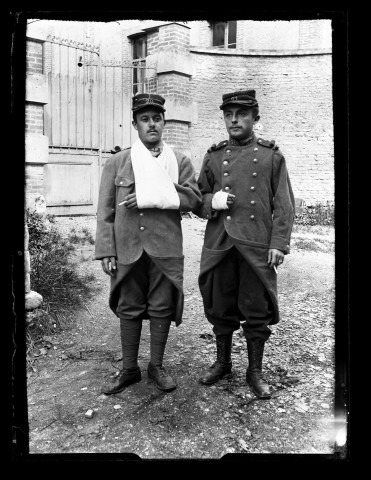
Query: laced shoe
{"x": 161, "y": 377}
{"x": 126, "y": 378}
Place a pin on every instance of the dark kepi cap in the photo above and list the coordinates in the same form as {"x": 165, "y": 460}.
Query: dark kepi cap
{"x": 242, "y": 97}
{"x": 143, "y": 100}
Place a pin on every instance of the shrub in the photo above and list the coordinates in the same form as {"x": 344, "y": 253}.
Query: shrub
{"x": 318, "y": 214}
{"x": 54, "y": 275}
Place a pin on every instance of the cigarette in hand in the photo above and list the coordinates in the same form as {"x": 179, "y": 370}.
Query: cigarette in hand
{"x": 123, "y": 203}
{"x": 275, "y": 269}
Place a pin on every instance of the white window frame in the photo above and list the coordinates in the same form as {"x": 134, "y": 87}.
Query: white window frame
{"x": 140, "y": 72}
{"x": 226, "y": 32}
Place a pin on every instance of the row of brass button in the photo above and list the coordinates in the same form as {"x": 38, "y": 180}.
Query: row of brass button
{"x": 226, "y": 174}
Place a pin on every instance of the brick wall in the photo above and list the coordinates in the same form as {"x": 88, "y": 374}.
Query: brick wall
{"x": 152, "y": 42}
{"x": 315, "y": 34}
{"x": 34, "y": 118}
{"x": 174, "y": 86}
{"x": 173, "y": 36}
{"x": 176, "y": 135}
{"x": 204, "y": 35}
{"x": 273, "y": 35}
{"x": 270, "y": 35}
{"x": 34, "y": 57}
{"x": 34, "y": 178}
{"x": 295, "y": 97}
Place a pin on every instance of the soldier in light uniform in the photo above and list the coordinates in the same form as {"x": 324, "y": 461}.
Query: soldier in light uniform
{"x": 139, "y": 239}
{"x": 249, "y": 204}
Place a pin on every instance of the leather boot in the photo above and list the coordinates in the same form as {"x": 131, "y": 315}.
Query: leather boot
{"x": 254, "y": 376}
{"x": 223, "y": 364}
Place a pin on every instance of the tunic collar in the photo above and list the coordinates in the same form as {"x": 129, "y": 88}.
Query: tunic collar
{"x": 242, "y": 143}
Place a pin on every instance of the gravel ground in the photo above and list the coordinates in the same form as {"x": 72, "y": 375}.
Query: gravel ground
{"x": 193, "y": 421}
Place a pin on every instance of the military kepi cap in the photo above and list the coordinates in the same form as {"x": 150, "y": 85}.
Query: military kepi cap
{"x": 143, "y": 100}
{"x": 241, "y": 97}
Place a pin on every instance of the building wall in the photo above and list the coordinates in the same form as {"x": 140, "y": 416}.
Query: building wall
{"x": 294, "y": 88}
{"x": 172, "y": 41}
{"x": 174, "y": 86}
{"x": 34, "y": 57}
{"x": 295, "y": 98}
{"x": 269, "y": 35}
{"x": 173, "y": 36}
{"x": 288, "y": 63}
{"x": 34, "y": 179}
{"x": 175, "y": 135}
{"x": 34, "y": 118}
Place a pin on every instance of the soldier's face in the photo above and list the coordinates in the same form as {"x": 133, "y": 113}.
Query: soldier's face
{"x": 150, "y": 124}
{"x": 239, "y": 121}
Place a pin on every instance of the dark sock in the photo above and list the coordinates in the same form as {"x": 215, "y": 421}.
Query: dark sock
{"x": 159, "y": 328}
{"x": 130, "y": 338}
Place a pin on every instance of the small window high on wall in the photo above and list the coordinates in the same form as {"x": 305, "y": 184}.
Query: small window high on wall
{"x": 139, "y": 45}
{"x": 224, "y": 34}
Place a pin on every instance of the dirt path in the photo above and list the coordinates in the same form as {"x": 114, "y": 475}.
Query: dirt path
{"x": 193, "y": 421}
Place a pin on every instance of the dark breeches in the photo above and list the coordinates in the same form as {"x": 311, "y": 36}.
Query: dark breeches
{"x": 146, "y": 291}
{"x": 238, "y": 295}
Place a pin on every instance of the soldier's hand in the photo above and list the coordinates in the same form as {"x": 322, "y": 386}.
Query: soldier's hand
{"x": 109, "y": 265}
{"x": 131, "y": 201}
{"x": 275, "y": 257}
{"x": 230, "y": 199}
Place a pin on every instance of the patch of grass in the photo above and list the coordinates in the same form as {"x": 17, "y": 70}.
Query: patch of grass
{"x": 88, "y": 236}
{"x": 304, "y": 244}
{"x": 313, "y": 229}
{"x": 84, "y": 237}
{"x": 318, "y": 214}
{"x": 55, "y": 276}
{"x": 313, "y": 237}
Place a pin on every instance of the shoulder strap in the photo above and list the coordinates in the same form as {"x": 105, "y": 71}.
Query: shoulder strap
{"x": 268, "y": 144}
{"x": 217, "y": 147}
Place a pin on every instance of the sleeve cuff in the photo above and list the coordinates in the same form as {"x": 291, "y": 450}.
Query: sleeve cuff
{"x": 280, "y": 243}
{"x": 206, "y": 210}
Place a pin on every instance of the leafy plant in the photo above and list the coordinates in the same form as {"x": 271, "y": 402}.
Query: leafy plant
{"x": 54, "y": 275}
{"x": 318, "y": 214}
{"x": 86, "y": 236}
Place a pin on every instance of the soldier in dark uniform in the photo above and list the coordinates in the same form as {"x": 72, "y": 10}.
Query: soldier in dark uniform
{"x": 249, "y": 204}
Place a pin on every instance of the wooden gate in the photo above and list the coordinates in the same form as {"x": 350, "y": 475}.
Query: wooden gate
{"x": 88, "y": 114}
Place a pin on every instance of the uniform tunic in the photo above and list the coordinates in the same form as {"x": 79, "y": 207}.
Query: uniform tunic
{"x": 126, "y": 233}
{"x": 260, "y": 218}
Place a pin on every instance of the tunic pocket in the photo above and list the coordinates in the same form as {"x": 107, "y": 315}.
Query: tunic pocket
{"x": 125, "y": 185}
{"x": 123, "y": 181}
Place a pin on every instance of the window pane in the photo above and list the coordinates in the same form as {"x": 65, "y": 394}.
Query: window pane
{"x": 139, "y": 55}
{"x": 218, "y": 34}
{"x": 232, "y": 33}
{"x": 140, "y": 47}
{"x": 135, "y": 48}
